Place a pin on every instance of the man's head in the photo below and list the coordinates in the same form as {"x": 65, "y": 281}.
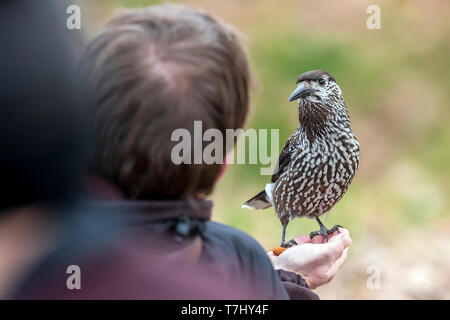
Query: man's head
{"x": 153, "y": 71}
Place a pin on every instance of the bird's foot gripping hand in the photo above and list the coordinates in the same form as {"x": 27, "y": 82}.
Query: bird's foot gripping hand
{"x": 315, "y": 260}
{"x": 283, "y": 246}
{"x": 324, "y": 231}
{"x": 289, "y": 244}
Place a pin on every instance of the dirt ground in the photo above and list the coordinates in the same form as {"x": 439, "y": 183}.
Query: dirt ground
{"x": 413, "y": 266}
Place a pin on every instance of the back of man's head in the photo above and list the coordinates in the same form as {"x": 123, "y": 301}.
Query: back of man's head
{"x": 155, "y": 70}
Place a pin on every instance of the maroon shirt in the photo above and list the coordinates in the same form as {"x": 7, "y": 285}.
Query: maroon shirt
{"x": 161, "y": 250}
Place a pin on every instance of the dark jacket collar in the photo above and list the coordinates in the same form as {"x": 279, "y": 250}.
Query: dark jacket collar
{"x": 105, "y": 194}
{"x": 149, "y": 211}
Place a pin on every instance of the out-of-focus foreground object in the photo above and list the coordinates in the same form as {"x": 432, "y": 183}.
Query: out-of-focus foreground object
{"x": 41, "y": 131}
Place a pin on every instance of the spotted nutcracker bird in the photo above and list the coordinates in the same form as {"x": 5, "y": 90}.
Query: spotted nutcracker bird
{"x": 318, "y": 161}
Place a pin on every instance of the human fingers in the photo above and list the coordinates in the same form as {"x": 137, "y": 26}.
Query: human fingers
{"x": 338, "y": 263}
{"x": 336, "y": 245}
{"x": 318, "y": 239}
{"x": 303, "y": 238}
{"x": 341, "y": 231}
{"x": 321, "y": 239}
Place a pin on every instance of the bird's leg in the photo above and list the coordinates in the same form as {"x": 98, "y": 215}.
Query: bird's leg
{"x": 283, "y": 236}
{"x": 291, "y": 242}
{"x": 323, "y": 230}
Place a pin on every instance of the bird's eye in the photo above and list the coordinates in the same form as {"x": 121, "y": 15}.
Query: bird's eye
{"x": 322, "y": 81}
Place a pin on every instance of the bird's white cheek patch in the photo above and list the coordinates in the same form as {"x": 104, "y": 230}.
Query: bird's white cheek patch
{"x": 314, "y": 99}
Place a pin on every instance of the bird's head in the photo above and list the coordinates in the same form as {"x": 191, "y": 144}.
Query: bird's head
{"x": 317, "y": 87}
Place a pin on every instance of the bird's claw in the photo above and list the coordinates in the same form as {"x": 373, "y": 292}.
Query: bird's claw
{"x": 289, "y": 244}
{"x": 325, "y": 232}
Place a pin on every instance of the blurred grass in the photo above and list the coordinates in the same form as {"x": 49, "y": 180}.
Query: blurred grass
{"x": 379, "y": 73}
{"x": 396, "y": 84}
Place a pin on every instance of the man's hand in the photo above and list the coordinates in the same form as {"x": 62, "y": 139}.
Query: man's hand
{"x": 315, "y": 260}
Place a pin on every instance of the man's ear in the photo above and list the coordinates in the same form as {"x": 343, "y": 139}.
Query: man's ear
{"x": 224, "y": 166}
{"x": 222, "y": 170}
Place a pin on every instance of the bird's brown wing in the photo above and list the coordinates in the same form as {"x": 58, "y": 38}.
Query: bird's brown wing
{"x": 283, "y": 160}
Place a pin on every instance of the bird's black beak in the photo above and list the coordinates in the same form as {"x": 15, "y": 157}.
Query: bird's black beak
{"x": 301, "y": 91}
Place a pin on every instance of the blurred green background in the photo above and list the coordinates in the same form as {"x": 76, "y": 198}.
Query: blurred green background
{"x": 396, "y": 85}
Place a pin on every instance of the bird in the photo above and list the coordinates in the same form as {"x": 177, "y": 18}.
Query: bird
{"x": 318, "y": 161}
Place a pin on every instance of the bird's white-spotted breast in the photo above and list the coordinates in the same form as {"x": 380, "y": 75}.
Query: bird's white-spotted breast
{"x": 321, "y": 167}
{"x": 318, "y": 161}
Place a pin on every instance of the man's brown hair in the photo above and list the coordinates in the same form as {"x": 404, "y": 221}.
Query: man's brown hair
{"x": 155, "y": 70}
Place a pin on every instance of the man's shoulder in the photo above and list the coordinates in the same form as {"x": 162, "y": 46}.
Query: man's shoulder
{"x": 245, "y": 256}
{"x": 227, "y": 235}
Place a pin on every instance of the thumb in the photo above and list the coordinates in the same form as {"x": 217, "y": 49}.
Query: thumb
{"x": 336, "y": 245}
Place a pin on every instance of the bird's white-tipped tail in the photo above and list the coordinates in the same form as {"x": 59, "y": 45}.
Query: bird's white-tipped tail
{"x": 262, "y": 200}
